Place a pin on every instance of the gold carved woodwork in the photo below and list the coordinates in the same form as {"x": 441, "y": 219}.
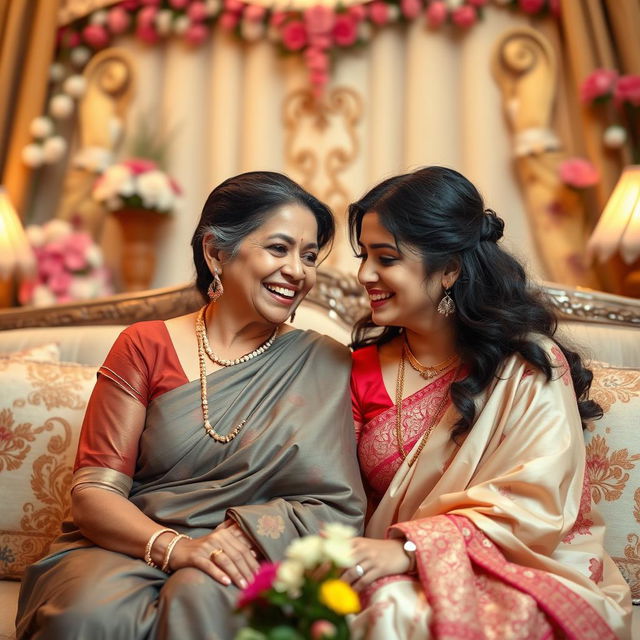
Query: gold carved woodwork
{"x": 524, "y": 67}
{"x": 321, "y": 144}
{"x": 71, "y": 10}
{"x": 100, "y": 128}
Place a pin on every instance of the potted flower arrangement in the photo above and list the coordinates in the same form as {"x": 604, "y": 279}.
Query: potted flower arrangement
{"x": 139, "y": 195}
{"x": 69, "y": 266}
{"x": 303, "y": 597}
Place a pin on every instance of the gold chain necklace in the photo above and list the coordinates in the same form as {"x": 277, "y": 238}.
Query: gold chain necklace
{"x": 434, "y": 421}
{"x": 200, "y": 325}
{"x": 201, "y": 332}
{"x": 426, "y": 372}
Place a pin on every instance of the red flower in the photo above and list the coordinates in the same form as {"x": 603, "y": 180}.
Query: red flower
{"x": 196, "y": 34}
{"x": 345, "y": 32}
{"x": 578, "y": 173}
{"x": 294, "y": 35}
{"x": 464, "y": 16}
{"x": 597, "y": 85}
{"x": 262, "y": 581}
{"x": 229, "y": 20}
{"x": 628, "y": 90}
{"x": 197, "y": 11}
{"x": 531, "y": 6}
{"x": 95, "y": 36}
{"x": 118, "y": 20}
{"x": 319, "y": 19}
{"x": 411, "y": 9}
{"x": 139, "y": 165}
{"x": 436, "y": 14}
{"x": 379, "y": 13}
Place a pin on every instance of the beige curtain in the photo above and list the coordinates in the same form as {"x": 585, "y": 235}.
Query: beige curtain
{"x": 27, "y": 42}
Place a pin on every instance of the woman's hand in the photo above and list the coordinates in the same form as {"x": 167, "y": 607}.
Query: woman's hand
{"x": 375, "y": 559}
{"x": 226, "y": 555}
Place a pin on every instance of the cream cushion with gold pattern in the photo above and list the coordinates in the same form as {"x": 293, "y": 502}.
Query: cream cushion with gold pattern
{"x": 42, "y": 405}
{"x": 613, "y": 464}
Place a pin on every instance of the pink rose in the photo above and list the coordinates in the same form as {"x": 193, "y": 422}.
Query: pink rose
{"x": 178, "y": 4}
{"x": 95, "y": 35}
{"x": 554, "y": 6}
{"x": 436, "y": 14}
{"x": 531, "y": 6}
{"x": 316, "y": 59}
{"x": 323, "y": 630}
{"x": 578, "y": 173}
{"x": 294, "y": 35}
{"x": 254, "y": 12}
{"x": 73, "y": 39}
{"x": 319, "y": 20}
{"x": 59, "y": 282}
{"x": 262, "y": 581}
{"x": 197, "y": 11}
{"x": 358, "y": 12}
{"x": 147, "y": 33}
{"x": 147, "y": 17}
{"x": 234, "y": 5}
{"x": 229, "y": 20}
{"x": 464, "y": 16}
{"x": 411, "y": 9}
{"x": 139, "y": 165}
{"x": 379, "y": 13}
{"x": 345, "y": 31}
{"x": 598, "y": 85}
{"x": 628, "y": 90}
{"x": 196, "y": 34}
{"x": 129, "y": 5}
{"x": 150, "y": 3}
{"x": 277, "y": 18}
{"x": 118, "y": 20}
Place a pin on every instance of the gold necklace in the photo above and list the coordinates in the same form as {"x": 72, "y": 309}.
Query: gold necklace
{"x": 200, "y": 325}
{"x": 434, "y": 421}
{"x": 201, "y": 332}
{"x": 426, "y": 372}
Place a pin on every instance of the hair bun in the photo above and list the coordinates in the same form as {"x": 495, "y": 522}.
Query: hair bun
{"x": 492, "y": 226}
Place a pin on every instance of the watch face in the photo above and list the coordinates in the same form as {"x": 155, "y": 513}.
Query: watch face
{"x": 409, "y": 546}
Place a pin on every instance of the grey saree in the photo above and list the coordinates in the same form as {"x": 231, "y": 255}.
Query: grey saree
{"x": 292, "y": 468}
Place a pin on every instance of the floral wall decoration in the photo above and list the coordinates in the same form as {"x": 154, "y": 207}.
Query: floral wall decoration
{"x": 317, "y": 33}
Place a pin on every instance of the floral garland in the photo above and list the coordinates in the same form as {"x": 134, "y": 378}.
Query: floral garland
{"x": 315, "y": 32}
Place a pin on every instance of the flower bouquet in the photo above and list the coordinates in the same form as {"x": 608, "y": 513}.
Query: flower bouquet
{"x": 303, "y": 597}
{"x": 69, "y": 266}
{"x": 136, "y": 184}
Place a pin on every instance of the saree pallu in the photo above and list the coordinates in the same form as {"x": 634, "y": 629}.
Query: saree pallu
{"x": 507, "y": 544}
{"x": 291, "y": 468}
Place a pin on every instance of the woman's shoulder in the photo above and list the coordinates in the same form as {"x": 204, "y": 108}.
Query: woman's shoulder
{"x": 365, "y": 357}
{"x": 320, "y": 344}
{"x": 146, "y": 331}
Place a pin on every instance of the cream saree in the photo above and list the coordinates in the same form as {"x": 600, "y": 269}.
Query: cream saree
{"x": 290, "y": 469}
{"x": 507, "y": 544}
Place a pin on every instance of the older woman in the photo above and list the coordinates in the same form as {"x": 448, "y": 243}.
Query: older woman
{"x": 206, "y": 444}
{"x": 469, "y": 409}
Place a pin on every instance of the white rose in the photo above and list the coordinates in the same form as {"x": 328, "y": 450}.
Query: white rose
{"x": 114, "y": 204}
{"x": 181, "y": 24}
{"x": 251, "y": 30}
{"x": 212, "y": 7}
{"x": 83, "y": 288}
{"x": 35, "y": 234}
{"x": 56, "y": 72}
{"x": 61, "y": 106}
{"x": 289, "y": 577}
{"x": 115, "y": 181}
{"x": 164, "y": 21}
{"x": 56, "y": 229}
{"x": 42, "y": 296}
{"x": 339, "y": 551}
{"x": 393, "y": 12}
{"x": 75, "y": 86}
{"x": 615, "y": 136}
{"x": 79, "y": 56}
{"x": 32, "y": 155}
{"x": 96, "y": 159}
{"x": 155, "y": 190}
{"x": 41, "y": 127}
{"x": 337, "y": 531}
{"x": 452, "y": 5}
{"x": 93, "y": 255}
{"x": 99, "y": 17}
{"x": 308, "y": 551}
{"x": 53, "y": 149}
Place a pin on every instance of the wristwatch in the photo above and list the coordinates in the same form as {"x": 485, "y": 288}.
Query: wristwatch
{"x": 410, "y": 550}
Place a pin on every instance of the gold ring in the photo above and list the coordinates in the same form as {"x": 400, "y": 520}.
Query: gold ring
{"x": 214, "y": 553}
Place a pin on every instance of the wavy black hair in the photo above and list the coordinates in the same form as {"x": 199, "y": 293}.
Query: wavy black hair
{"x": 440, "y": 214}
{"x": 240, "y": 205}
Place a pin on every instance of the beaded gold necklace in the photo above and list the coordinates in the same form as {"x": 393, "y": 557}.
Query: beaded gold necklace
{"x": 205, "y": 348}
{"x": 426, "y": 372}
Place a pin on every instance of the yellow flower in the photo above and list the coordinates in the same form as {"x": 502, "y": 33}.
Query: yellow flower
{"x": 339, "y": 597}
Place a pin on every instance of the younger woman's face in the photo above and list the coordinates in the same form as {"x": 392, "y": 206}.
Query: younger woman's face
{"x": 400, "y": 291}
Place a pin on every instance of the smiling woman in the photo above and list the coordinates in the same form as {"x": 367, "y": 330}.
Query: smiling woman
{"x": 201, "y": 445}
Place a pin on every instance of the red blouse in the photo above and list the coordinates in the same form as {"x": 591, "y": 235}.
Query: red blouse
{"x": 369, "y": 396}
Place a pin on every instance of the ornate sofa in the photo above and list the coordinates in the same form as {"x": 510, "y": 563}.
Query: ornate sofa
{"x": 49, "y": 357}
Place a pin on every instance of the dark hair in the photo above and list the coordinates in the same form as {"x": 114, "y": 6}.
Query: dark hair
{"x": 441, "y": 214}
{"x": 240, "y": 205}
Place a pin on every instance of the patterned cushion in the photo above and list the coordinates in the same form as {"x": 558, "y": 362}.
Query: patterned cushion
{"x": 43, "y": 353}
{"x": 613, "y": 465}
{"x": 41, "y": 410}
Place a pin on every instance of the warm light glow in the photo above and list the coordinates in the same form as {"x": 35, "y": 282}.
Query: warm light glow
{"x": 618, "y": 230}
{"x": 16, "y": 256}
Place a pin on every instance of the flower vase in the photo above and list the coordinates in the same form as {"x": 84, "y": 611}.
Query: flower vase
{"x": 139, "y": 234}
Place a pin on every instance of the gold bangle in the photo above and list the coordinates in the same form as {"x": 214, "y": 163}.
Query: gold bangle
{"x": 169, "y": 550}
{"x": 149, "y": 546}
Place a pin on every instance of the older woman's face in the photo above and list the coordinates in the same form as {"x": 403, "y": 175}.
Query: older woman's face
{"x": 275, "y": 266}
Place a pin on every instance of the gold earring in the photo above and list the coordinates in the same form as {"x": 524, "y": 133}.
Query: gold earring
{"x": 446, "y": 306}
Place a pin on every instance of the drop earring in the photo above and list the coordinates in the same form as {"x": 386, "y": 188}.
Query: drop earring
{"x": 215, "y": 289}
{"x": 446, "y": 306}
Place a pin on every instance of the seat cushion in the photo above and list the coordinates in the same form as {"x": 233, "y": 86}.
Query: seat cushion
{"x": 613, "y": 465}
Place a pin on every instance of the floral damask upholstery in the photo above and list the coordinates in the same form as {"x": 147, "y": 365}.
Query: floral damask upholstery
{"x": 41, "y": 409}
{"x": 613, "y": 465}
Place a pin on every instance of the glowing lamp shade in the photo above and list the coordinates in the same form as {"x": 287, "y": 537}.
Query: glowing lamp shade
{"x": 16, "y": 256}
{"x": 618, "y": 230}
